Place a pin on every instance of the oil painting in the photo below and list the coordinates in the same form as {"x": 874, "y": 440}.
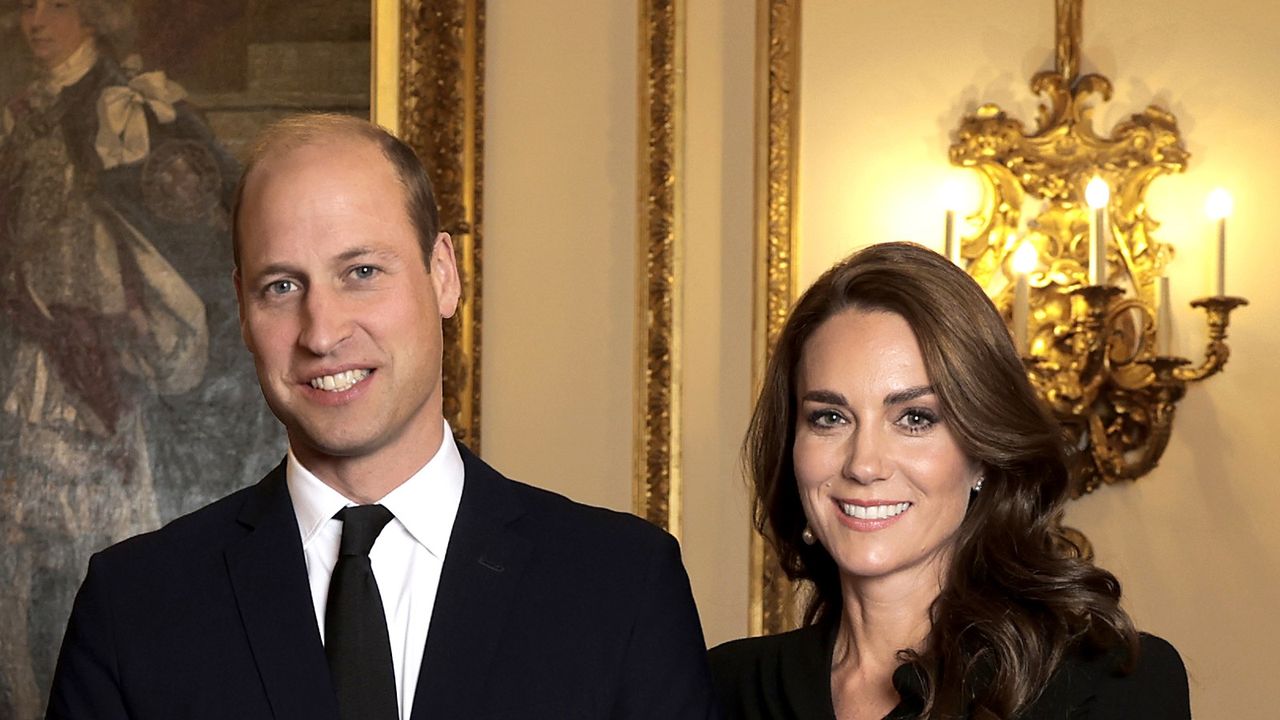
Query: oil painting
{"x": 126, "y": 396}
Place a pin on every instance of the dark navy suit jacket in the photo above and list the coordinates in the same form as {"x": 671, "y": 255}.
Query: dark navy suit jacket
{"x": 545, "y": 609}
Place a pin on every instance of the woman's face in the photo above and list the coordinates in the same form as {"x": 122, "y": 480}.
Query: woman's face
{"x": 883, "y": 482}
{"x": 53, "y": 29}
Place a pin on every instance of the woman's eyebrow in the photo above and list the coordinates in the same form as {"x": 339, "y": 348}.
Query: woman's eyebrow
{"x": 826, "y": 397}
{"x": 907, "y": 395}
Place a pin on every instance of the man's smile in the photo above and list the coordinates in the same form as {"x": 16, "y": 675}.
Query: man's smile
{"x": 340, "y": 382}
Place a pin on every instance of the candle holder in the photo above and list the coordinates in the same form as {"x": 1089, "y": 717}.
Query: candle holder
{"x": 1118, "y": 405}
{"x": 1092, "y": 350}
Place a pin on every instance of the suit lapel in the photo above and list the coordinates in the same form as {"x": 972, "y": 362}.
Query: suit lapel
{"x": 269, "y": 577}
{"x": 481, "y": 573}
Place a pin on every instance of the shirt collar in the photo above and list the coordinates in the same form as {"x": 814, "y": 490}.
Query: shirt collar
{"x": 74, "y": 68}
{"x": 425, "y": 504}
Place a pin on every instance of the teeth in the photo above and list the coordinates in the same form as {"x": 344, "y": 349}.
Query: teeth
{"x": 875, "y": 512}
{"x": 339, "y": 382}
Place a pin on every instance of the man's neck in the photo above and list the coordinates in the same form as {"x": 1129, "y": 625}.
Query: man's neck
{"x": 71, "y": 70}
{"x": 369, "y": 478}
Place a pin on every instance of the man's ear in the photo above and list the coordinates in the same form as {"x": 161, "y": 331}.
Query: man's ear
{"x": 444, "y": 275}
{"x": 244, "y": 327}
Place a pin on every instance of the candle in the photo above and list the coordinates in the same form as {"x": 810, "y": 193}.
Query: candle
{"x": 1222, "y": 257}
{"x": 1164, "y": 318}
{"x": 951, "y": 244}
{"x": 960, "y": 194}
{"x": 1218, "y": 207}
{"x": 1021, "y": 314}
{"x": 1097, "y": 194}
{"x": 1024, "y": 261}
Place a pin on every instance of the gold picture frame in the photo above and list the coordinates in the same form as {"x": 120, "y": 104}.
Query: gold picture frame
{"x": 659, "y": 263}
{"x": 771, "y": 599}
{"x": 428, "y": 87}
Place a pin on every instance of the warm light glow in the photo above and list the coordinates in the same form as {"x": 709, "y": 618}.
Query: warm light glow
{"x": 1025, "y": 258}
{"x": 1219, "y": 204}
{"x": 960, "y": 192}
{"x": 1097, "y": 193}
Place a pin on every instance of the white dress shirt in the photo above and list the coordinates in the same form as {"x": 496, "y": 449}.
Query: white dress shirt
{"x": 406, "y": 558}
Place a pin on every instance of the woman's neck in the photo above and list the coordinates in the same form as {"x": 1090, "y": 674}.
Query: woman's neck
{"x": 879, "y": 618}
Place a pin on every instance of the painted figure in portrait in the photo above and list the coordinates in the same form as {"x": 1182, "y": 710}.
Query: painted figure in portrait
{"x": 125, "y": 395}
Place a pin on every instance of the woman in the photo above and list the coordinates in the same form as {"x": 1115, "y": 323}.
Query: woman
{"x": 904, "y": 469}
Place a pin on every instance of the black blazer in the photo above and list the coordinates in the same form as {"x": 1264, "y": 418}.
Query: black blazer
{"x": 545, "y": 609}
{"x": 788, "y": 677}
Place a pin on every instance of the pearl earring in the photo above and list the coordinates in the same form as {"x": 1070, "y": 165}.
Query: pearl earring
{"x": 807, "y": 536}
{"x": 977, "y": 486}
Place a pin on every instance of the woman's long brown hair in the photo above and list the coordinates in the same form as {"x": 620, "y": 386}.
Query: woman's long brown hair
{"x": 1018, "y": 595}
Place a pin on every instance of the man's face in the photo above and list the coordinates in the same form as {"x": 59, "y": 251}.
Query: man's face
{"x": 338, "y": 308}
{"x": 53, "y": 29}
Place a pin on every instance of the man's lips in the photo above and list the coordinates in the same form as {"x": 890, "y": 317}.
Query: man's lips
{"x": 340, "y": 381}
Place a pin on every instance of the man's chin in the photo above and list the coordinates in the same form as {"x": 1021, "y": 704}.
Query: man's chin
{"x": 330, "y": 445}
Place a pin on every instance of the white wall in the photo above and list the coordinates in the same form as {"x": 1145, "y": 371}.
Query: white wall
{"x": 1195, "y": 544}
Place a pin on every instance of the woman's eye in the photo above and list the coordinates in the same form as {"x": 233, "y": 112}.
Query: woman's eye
{"x": 918, "y": 420}
{"x": 825, "y": 418}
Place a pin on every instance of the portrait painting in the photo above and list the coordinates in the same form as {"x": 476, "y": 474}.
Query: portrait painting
{"x": 126, "y": 395}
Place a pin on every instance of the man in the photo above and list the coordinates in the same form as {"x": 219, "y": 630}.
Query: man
{"x": 491, "y": 599}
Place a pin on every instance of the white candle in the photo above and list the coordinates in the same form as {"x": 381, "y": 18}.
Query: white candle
{"x": 1023, "y": 262}
{"x": 1164, "y": 318}
{"x": 960, "y": 194}
{"x": 1021, "y": 314}
{"x": 1097, "y": 195}
{"x": 1098, "y": 258}
{"x": 951, "y": 246}
{"x": 1222, "y": 257}
{"x": 1218, "y": 207}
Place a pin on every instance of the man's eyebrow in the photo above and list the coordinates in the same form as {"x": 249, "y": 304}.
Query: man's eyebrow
{"x": 279, "y": 268}
{"x": 907, "y": 395}
{"x": 359, "y": 252}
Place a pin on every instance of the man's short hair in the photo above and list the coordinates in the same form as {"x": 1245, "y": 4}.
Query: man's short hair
{"x": 305, "y": 129}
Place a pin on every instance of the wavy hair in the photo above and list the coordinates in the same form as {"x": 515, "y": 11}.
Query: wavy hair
{"x": 114, "y": 24}
{"x": 1018, "y": 595}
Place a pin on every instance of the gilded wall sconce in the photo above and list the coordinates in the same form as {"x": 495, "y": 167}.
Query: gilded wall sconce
{"x": 1093, "y": 330}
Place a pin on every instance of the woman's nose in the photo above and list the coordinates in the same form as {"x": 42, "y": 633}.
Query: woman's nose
{"x": 865, "y": 463}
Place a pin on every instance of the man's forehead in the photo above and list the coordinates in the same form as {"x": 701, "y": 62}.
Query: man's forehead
{"x": 329, "y": 149}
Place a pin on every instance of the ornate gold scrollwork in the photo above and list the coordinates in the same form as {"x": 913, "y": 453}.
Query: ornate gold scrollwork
{"x": 656, "y": 486}
{"x": 1092, "y": 353}
{"x": 772, "y": 595}
{"x": 442, "y": 119}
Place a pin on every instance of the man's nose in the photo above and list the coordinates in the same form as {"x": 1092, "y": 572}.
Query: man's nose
{"x": 327, "y": 322}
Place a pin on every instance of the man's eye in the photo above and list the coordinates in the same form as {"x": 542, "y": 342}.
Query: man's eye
{"x": 281, "y": 287}
{"x": 364, "y": 272}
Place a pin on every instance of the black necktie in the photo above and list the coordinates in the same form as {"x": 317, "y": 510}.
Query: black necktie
{"x": 355, "y": 628}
